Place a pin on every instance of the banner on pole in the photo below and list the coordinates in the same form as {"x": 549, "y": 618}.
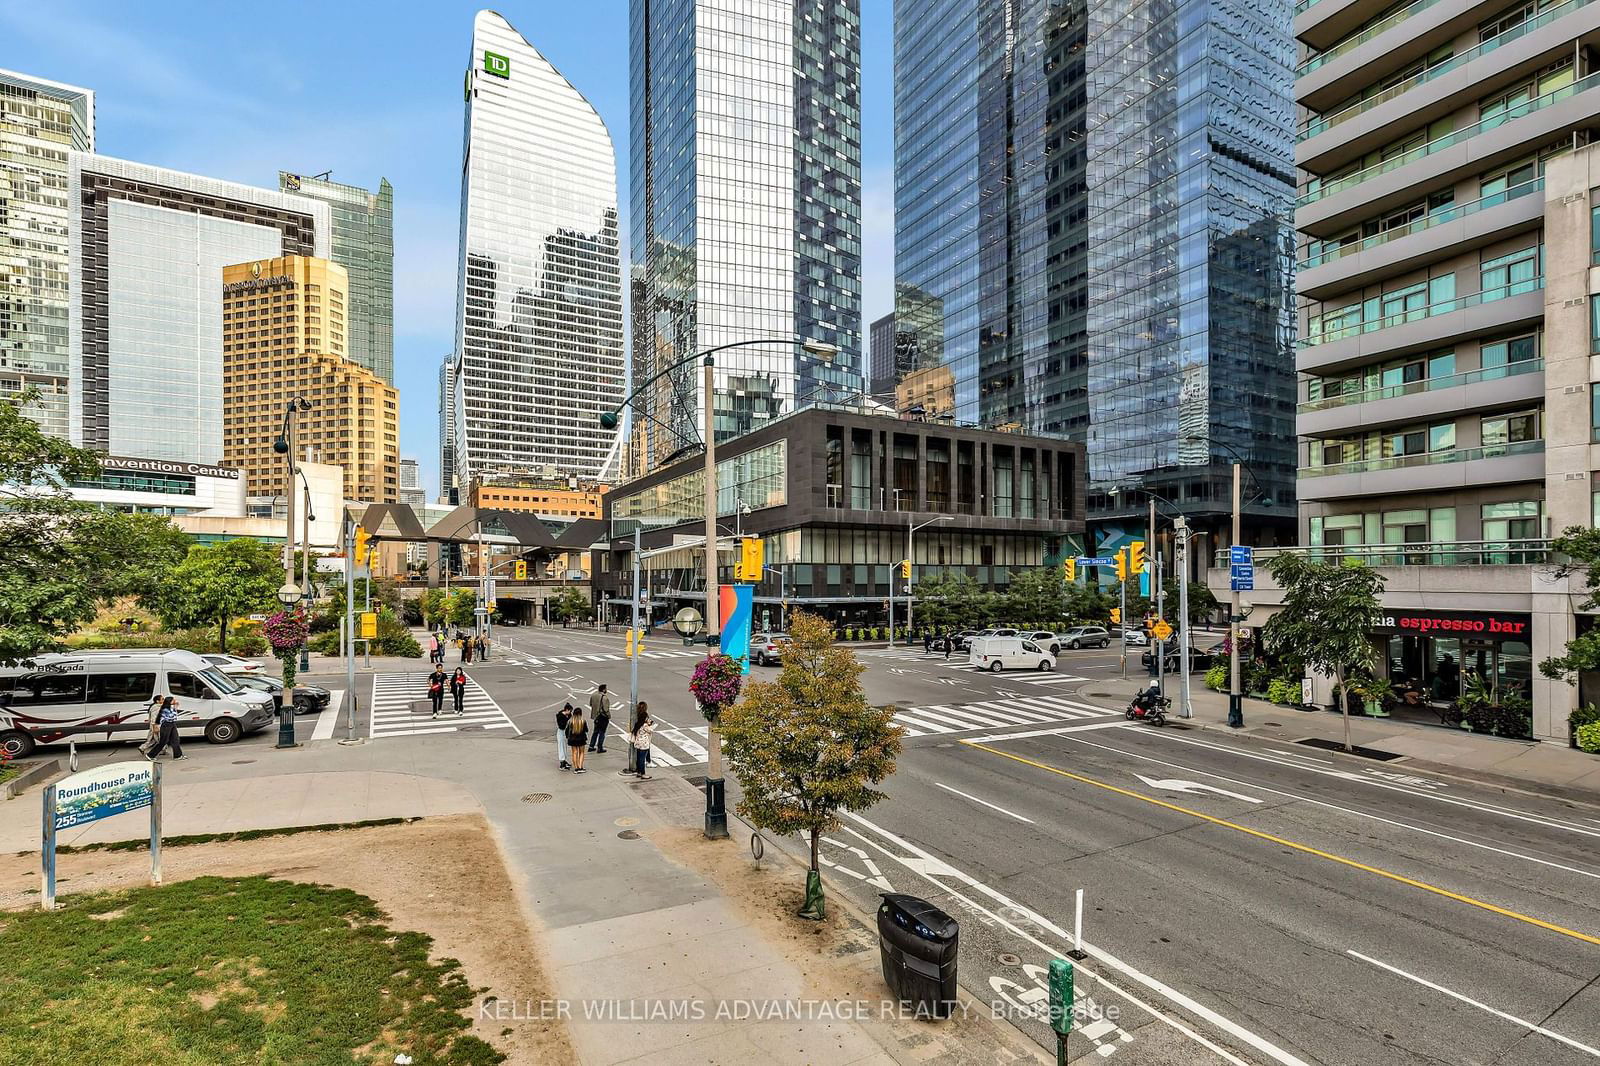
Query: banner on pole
{"x": 736, "y": 602}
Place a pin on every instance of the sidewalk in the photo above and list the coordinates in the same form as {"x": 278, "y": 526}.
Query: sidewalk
{"x": 617, "y": 917}
{"x": 1545, "y": 767}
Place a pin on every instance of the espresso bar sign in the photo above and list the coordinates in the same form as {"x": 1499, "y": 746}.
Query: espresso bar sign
{"x": 1456, "y": 623}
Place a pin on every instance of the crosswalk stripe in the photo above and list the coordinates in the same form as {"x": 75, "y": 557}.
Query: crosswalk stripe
{"x": 1044, "y": 708}
{"x": 1006, "y": 710}
{"x": 982, "y": 713}
{"x": 397, "y": 699}
{"x": 657, "y": 755}
{"x": 695, "y": 752}
{"x": 950, "y": 720}
{"x": 918, "y": 723}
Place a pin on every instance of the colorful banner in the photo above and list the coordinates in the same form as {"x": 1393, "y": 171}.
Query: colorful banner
{"x": 736, "y": 602}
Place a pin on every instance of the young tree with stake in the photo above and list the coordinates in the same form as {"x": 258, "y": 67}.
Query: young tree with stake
{"x": 807, "y": 746}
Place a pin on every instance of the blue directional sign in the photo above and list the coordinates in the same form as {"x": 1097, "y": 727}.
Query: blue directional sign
{"x": 1096, "y": 560}
{"x": 1241, "y": 568}
{"x": 1240, "y": 554}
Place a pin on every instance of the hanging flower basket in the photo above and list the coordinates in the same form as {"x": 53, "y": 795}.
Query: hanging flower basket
{"x": 285, "y": 631}
{"x": 715, "y": 684}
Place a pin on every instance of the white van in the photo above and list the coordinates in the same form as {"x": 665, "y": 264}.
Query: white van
{"x": 88, "y": 693}
{"x": 1009, "y": 653}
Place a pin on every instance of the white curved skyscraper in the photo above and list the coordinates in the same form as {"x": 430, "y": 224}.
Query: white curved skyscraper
{"x": 539, "y": 288}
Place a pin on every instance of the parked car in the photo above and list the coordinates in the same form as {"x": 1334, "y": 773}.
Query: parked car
{"x": 232, "y": 664}
{"x": 85, "y": 694}
{"x": 308, "y": 699}
{"x": 1136, "y": 637}
{"x": 1200, "y": 659}
{"x": 768, "y": 648}
{"x": 964, "y": 638}
{"x": 1046, "y": 639}
{"x": 1002, "y": 653}
{"x": 1085, "y": 637}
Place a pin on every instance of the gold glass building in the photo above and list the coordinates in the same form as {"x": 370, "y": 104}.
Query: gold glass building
{"x": 285, "y": 334}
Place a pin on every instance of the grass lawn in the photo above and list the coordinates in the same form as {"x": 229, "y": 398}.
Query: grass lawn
{"x": 225, "y": 970}
{"x": 8, "y": 771}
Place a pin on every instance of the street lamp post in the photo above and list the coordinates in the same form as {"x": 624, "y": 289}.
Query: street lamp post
{"x": 306, "y": 518}
{"x": 783, "y": 597}
{"x": 1181, "y": 547}
{"x": 290, "y": 594}
{"x": 910, "y": 529}
{"x": 1235, "y": 690}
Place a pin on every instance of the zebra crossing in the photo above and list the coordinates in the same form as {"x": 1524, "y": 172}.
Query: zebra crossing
{"x": 400, "y": 708}
{"x": 607, "y": 657}
{"x": 994, "y": 714}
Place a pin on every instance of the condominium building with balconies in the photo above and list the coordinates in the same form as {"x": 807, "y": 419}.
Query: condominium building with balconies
{"x": 1449, "y": 226}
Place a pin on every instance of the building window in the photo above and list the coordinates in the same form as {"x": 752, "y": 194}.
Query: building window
{"x": 1503, "y": 430}
{"x": 1594, "y": 227}
{"x": 1511, "y": 274}
{"x": 1003, "y": 486}
{"x": 835, "y": 471}
{"x": 905, "y": 474}
{"x": 939, "y": 475}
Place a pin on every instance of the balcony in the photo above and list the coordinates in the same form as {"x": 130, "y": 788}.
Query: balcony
{"x": 1506, "y": 307}
{"x": 1456, "y": 468}
{"x": 1419, "y": 400}
{"x": 1318, "y": 124}
{"x": 1324, "y": 23}
{"x": 1356, "y": 40}
{"x": 1511, "y": 116}
{"x": 1523, "y": 552}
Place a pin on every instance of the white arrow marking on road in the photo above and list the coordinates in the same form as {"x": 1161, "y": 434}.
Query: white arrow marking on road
{"x": 1172, "y": 784}
{"x": 874, "y": 876}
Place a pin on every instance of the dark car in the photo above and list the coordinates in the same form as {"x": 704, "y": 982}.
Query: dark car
{"x": 1199, "y": 659}
{"x": 308, "y": 699}
{"x": 767, "y": 648}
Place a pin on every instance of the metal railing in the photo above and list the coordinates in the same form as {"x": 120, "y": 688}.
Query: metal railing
{"x": 1417, "y": 314}
{"x": 1358, "y": 38}
{"x": 1447, "y": 455}
{"x": 1450, "y": 140}
{"x": 1428, "y": 221}
{"x": 1314, "y": 126}
{"x": 1526, "y": 551}
{"x": 1411, "y": 388}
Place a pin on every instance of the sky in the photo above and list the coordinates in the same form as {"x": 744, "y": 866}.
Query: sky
{"x": 372, "y": 91}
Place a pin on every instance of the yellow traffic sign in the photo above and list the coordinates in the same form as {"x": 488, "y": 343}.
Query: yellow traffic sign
{"x": 1161, "y": 629}
{"x": 369, "y": 625}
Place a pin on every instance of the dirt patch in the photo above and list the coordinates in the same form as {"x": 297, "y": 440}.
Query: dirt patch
{"x": 839, "y": 955}
{"x": 438, "y": 876}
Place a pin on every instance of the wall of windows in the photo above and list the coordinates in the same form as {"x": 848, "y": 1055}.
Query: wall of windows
{"x": 758, "y": 478}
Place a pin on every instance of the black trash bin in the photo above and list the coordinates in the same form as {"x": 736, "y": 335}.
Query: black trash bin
{"x": 918, "y": 944}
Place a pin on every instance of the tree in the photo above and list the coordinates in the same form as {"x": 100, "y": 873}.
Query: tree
{"x": 63, "y": 558}
{"x": 219, "y": 583}
{"x": 434, "y": 607}
{"x": 807, "y": 746}
{"x": 1581, "y": 547}
{"x": 461, "y": 605}
{"x": 569, "y": 605}
{"x": 1088, "y": 603}
{"x": 1328, "y": 613}
{"x": 1037, "y": 596}
{"x": 1202, "y": 602}
{"x": 949, "y": 601}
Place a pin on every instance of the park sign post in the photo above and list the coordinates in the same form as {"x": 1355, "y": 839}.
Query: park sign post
{"x": 91, "y": 795}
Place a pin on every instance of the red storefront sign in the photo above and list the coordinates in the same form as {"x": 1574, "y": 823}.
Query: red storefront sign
{"x": 1456, "y": 624}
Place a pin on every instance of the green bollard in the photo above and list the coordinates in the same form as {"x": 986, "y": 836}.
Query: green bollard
{"x": 1061, "y": 1005}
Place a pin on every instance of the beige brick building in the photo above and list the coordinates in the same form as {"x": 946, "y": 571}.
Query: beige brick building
{"x": 285, "y": 334}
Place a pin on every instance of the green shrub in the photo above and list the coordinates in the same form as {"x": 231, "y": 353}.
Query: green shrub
{"x": 1217, "y": 677}
{"x": 196, "y": 640}
{"x": 1284, "y": 690}
{"x": 1582, "y": 716}
{"x": 1589, "y": 738}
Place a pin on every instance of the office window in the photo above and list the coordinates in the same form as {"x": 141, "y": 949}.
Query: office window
{"x": 1517, "y": 428}
{"x": 1510, "y": 274}
{"x": 1594, "y": 227}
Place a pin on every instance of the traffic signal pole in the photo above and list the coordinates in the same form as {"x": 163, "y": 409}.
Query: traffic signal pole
{"x": 1122, "y": 627}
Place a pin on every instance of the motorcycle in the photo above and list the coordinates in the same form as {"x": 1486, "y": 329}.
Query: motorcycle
{"x": 1149, "y": 705}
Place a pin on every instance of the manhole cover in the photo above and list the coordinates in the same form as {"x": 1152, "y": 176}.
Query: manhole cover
{"x": 628, "y": 834}
{"x": 537, "y": 797}
{"x": 626, "y": 822}
{"x": 1007, "y": 959}
{"x": 243, "y": 762}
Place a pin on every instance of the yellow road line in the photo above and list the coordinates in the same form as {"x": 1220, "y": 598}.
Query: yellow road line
{"x": 1435, "y": 889}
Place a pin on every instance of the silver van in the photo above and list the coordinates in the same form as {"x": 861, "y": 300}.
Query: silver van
{"x": 89, "y": 693}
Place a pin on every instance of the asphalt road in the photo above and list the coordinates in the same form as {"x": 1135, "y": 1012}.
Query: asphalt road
{"x": 1245, "y": 901}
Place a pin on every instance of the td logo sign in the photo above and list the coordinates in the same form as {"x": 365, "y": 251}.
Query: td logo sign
{"x": 495, "y": 64}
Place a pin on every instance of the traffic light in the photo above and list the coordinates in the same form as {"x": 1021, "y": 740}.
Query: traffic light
{"x": 905, "y": 569}
{"x": 1136, "y": 557}
{"x": 1122, "y": 564}
{"x": 629, "y": 652}
{"x": 752, "y": 559}
{"x": 1070, "y": 568}
{"x": 519, "y": 570}
{"x": 1116, "y": 616}
{"x": 361, "y": 548}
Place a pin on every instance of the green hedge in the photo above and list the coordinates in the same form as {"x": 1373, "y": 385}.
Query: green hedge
{"x": 197, "y": 640}
{"x": 1217, "y": 677}
{"x": 1589, "y": 738}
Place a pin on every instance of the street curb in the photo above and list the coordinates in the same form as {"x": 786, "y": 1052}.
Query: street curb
{"x": 37, "y": 772}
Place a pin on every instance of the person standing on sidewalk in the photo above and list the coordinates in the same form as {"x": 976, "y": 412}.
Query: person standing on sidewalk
{"x": 600, "y": 715}
{"x": 482, "y": 648}
{"x": 436, "y": 683}
{"x": 458, "y": 689}
{"x": 577, "y": 739}
{"x": 643, "y": 727}
{"x": 563, "y": 749}
{"x": 167, "y": 721}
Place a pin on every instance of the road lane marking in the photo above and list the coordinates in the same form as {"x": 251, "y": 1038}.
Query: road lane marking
{"x": 1300, "y": 798}
{"x": 986, "y": 803}
{"x": 929, "y": 867}
{"x": 1060, "y": 731}
{"x": 1541, "y": 1030}
{"x": 1345, "y": 775}
{"x": 1173, "y": 784}
{"x": 1271, "y": 838}
{"x": 329, "y": 717}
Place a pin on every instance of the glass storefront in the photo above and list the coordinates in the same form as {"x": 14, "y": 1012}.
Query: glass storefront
{"x": 1431, "y": 657}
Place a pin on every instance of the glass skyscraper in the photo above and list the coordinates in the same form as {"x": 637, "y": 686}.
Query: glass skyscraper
{"x": 1093, "y": 236}
{"x": 539, "y": 293}
{"x": 746, "y": 194}
{"x": 41, "y": 122}
{"x": 363, "y": 243}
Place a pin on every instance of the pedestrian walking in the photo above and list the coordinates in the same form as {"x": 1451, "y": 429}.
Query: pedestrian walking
{"x": 600, "y": 715}
{"x": 578, "y": 739}
{"x": 643, "y": 727}
{"x": 949, "y": 642}
{"x": 563, "y": 749}
{"x": 458, "y": 689}
{"x": 167, "y": 722}
{"x": 466, "y": 649}
{"x": 436, "y": 683}
{"x": 927, "y": 642}
{"x": 155, "y": 726}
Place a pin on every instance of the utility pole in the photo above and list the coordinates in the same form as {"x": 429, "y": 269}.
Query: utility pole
{"x": 349, "y": 626}
{"x": 1158, "y": 647}
{"x": 1235, "y": 692}
{"x": 1184, "y": 636}
{"x": 1161, "y": 616}
{"x": 633, "y": 665}
{"x": 716, "y": 801}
